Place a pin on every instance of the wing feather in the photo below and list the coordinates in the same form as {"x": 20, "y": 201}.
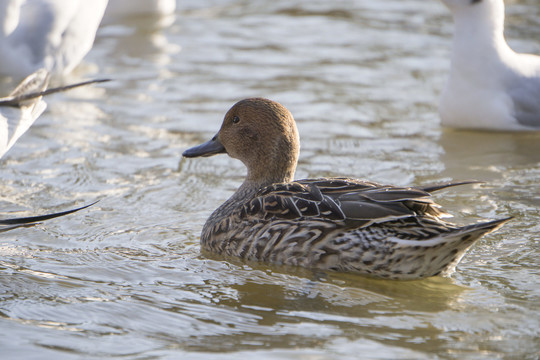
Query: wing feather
{"x": 353, "y": 203}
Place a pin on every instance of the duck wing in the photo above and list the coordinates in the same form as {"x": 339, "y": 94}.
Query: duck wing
{"x": 359, "y": 203}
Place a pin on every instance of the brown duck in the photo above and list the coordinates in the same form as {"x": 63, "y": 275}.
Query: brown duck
{"x": 336, "y": 224}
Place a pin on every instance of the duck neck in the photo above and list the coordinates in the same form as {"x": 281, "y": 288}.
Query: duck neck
{"x": 242, "y": 195}
{"x": 264, "y": 176}
{"x": 276, "y": 164}
{"x": 249, "y": 188}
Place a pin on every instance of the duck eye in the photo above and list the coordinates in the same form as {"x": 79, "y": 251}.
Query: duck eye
{"x": 236, "y": 120}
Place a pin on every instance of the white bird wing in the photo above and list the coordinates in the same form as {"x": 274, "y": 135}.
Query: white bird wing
{"x": 525, "y": 95}
{"x": 17, "y": 118}
{"x": 24, "y": 105}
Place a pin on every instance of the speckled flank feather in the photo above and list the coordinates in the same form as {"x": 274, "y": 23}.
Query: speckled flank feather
{"x": 336, "y": 224}
{"x": 344, "y": 225}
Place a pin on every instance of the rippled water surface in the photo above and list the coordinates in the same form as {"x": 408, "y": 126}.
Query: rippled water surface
{"x": 125, "y": 278}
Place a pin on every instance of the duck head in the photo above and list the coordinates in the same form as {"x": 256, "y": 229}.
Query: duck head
{"x": 263, "y": 135}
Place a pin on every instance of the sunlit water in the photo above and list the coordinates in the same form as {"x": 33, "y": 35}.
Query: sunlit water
{"x": 125, "y": 278}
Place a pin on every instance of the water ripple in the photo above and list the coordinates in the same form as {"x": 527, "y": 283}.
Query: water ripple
{"x": 126, "y": 277}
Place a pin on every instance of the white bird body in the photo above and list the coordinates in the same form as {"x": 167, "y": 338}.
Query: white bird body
{"x": 122, "y": 8}
{"x": 490, "y": 86}
{"x": 15, "y": 120}
{"x": 50, "y": 34}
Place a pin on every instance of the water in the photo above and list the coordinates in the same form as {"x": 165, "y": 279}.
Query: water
{"x": 126, "y": 279}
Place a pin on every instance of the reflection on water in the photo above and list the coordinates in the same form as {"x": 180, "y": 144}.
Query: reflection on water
{"x": 488, "y": 156}
{"x": 362, "y": 78}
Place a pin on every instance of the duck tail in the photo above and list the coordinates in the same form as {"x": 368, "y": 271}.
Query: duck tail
{"x": 441, "y": 254}
{"x": 488, "y": 226}
{"x": 466, "y": 236}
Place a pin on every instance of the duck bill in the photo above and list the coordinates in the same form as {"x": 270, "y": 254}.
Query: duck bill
{"x": 209, "y": 148}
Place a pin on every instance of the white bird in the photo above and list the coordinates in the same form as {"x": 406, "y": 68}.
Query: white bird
{"x": 490, "y": 86}
{"x": 24, "y": 105}
{"x": 123, "y": 8}
{"x": 18, "y": 111}
{"x": 50, "y": 34}
{"x": 17, "y": 117}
